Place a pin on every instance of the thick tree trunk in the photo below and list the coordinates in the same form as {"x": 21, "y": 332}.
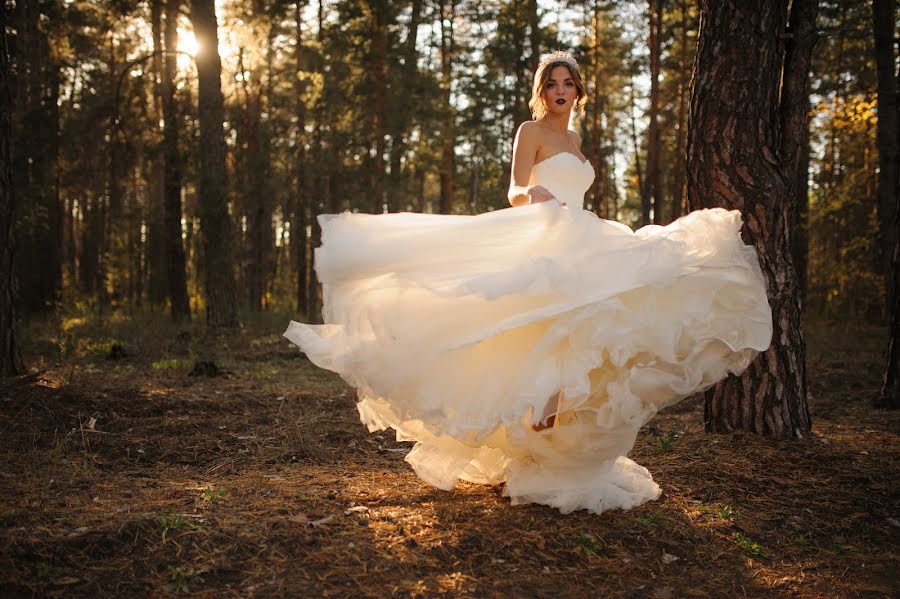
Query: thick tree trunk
{"x": 739, "y": 157}
{"x": 10, "y": 357}
{"x": 215, "y": 222}
{"x": 654, "y": 138}
{"x": 175, "y": 261}
{"x": 448, "y": 128}
{"x": 884, "y": 14}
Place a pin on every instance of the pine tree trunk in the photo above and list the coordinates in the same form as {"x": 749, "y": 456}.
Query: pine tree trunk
{"x": 641, "y": 181}
{"x": 380, "y": 25}
{"x": 680, "y": 135}
{"x": 215, "y": 222}
{"x": 448, "y": 158}
{"x": 654, "y": 140}
{"x": 407, "y": 94}
{"x": 299, "y": 238}
{"x": 800, "y": 226}
{"x": 884, "y": 14}
{"x": 737, "y": 160}
{"x": 10, "y": 357}
{"x": 35, "y": 161}
{"x": 175, "y": 260}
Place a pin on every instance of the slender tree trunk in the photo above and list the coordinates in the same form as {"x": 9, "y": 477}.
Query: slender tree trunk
{"x": 641, "y": 182}
{"x": 408, "y": 85}
{"x": 800, "y": 226}
{"x": 156, "y": 259}
{"x": 321, "y": 180}
{"x": 379, "y": 89}
{"x": 654, "y": 139}
{"x": 448, "y": 134}
{"x": 884, "y": 14}
{"x": 534, "y": 36}
{"x": 10, "y": 356}
{"x": 299, "y": 237}
{"x": 681, "y": 134}
{"x": 172, "y": 213}
{"x": 740, "y": 158}
{"x": 35, "y": 128}
{"x": 215, "y": 222}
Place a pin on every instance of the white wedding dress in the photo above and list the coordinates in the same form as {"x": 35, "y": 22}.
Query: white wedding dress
{"x": 455, "y": 330}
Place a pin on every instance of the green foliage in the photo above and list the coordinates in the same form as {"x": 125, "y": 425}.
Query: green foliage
{"x": 173, "y": 521}
{"x": 651, "y": 520}
{"x": 666, "y": 443}
{"x": 750, "y": 547}
{"x": 179, "y": 580}
{"x": 588, "y": 544}
{"x": 212, "y": 494}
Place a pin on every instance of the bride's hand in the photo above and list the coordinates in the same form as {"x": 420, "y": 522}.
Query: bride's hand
{"x": 538, "y": 194}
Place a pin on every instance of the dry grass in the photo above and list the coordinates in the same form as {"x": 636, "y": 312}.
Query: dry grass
{"x": 128, "y": 476}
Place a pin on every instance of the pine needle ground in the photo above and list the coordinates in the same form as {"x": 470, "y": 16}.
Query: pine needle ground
{"x": 123, "y": 475}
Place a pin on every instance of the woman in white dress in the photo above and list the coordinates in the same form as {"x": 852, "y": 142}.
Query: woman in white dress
{"x": 527, "y": 346}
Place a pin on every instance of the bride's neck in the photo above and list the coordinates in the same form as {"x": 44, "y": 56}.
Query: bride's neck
{"x": 557, "y": 122}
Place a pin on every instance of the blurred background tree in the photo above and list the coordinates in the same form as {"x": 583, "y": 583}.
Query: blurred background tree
{"x": 374, "y": 106}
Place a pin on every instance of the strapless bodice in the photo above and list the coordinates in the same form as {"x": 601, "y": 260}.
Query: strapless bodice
{"x": 564, "y": 175}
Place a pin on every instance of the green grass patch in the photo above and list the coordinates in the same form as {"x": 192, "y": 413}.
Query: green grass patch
{"x": 666, "y": 443}
{"x": 588, "y": 544}
{"x": 173, "y": 521}
{"x": 172, "y": 364}
{"x": 651, "y": 519}
{"x": 750, "y": 547}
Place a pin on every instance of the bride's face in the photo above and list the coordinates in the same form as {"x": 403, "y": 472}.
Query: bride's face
{"x": 560, "y": 92}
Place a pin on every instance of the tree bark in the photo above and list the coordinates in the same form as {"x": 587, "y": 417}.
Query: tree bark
{"x": 884, "y": 14}
{"x": 10, "y": 356}
{"x": 740, "y": 157}
{"x": 175, "y": 260}
{"x": 215, "y": 222}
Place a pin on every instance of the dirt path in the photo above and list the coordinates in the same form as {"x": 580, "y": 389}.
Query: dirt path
{"x": 129, "y": 476}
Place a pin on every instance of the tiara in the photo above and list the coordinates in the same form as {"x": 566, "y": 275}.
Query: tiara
{"x": 558, "y": 56}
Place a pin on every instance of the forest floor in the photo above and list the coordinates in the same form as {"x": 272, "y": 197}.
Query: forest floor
{"x": 123, "y": 474}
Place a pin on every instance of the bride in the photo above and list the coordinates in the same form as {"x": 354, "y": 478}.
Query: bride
{"x": 527, "y": 346}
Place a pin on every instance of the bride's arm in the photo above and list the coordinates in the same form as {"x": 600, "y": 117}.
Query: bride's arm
{"x": 525, "y": 149}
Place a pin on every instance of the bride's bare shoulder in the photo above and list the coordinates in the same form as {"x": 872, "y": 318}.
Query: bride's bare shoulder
{"x": 530, "y": 134}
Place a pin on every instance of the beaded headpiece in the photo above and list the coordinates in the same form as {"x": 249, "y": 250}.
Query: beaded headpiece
{"x": 558, "y": 56}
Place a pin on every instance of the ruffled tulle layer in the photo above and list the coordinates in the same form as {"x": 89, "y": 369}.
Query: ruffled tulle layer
{"x": 456, "y": 330}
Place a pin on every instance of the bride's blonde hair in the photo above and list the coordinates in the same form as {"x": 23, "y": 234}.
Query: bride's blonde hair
{"x": 545, "y": 68}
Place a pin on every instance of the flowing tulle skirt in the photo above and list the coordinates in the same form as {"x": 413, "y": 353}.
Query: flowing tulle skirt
{"x": 456, "y": 330}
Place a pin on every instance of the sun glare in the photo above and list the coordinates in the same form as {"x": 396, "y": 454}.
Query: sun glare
{"x": 187, "y": 49}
